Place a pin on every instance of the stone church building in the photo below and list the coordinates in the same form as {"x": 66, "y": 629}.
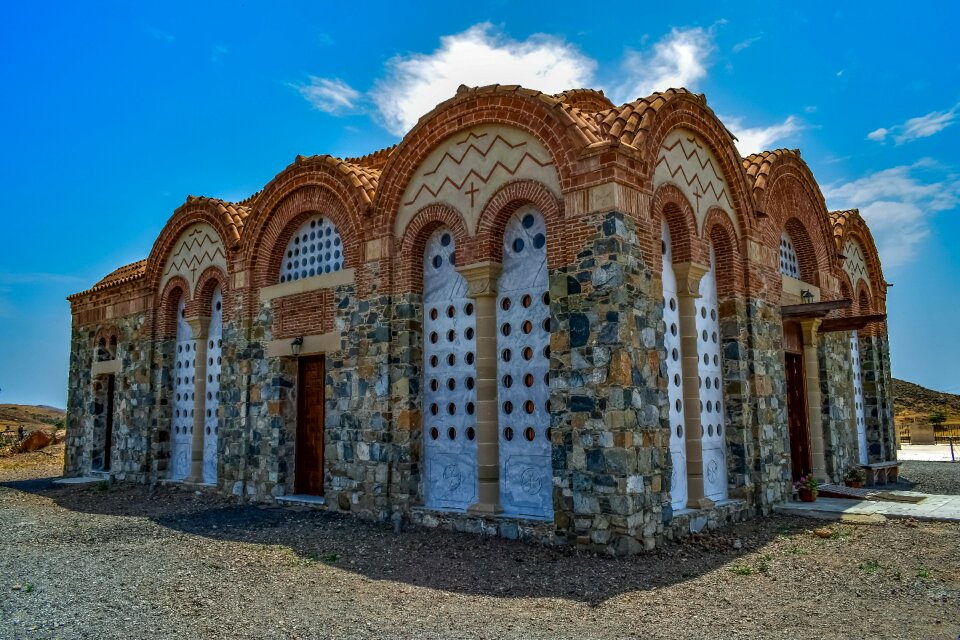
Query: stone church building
{"x": 537, "y": 316}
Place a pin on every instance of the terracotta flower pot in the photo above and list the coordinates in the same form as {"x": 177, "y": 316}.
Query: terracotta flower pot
{"x": 806, "y": 495}
{"x": 854, "y": 484}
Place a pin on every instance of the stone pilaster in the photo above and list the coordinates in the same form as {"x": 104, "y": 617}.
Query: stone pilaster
{"x": 688, "y": 276}
{"x": 811, "y": 371}
{"x": 481, "y": 281}
{"x": 200, "y": 327}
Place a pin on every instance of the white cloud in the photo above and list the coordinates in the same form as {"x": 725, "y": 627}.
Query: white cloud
{"x": 161, "y": 35}
{"x": 414, "y": 84}
{"x": 756, "y": 139}
{"x": 329, "y": 95}
{"x": 927, "y": 125}
{"x": 740, "y": 46}
{"x": 898, "y": 204}
{"x": 916, "y": 128}
{"x": 217, "y": 51}
{"x": 679, "y": 59}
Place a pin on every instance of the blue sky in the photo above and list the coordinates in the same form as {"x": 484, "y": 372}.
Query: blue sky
{"x": 113, "y": 113}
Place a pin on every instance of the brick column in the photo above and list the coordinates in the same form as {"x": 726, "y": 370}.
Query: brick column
{"x": 481, "y": 281}
{"x": 811, "y": 372}
{"x": 688, "y": 290}
{"x": 200, "y": 327}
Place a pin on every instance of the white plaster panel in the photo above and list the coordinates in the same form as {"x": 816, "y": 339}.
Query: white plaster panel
{"x": 855, "y": 265}
{"x": 197, "y": 248}
{"x": 469, "y": 167}
{"x": 685, "y": 162}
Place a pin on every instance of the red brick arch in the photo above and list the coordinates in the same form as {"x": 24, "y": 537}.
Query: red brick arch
{"x": 846, "y": 293}
{"x": 109, "y": 335}
{"x": 308, "y": 182}
{"x": 671, "y": 205}
{"x": 553, "y": 126}
{"x": 207, "y": 283}
{"x": 408, "y": 269}
{"x": 266, "y": 242}
{"x": 718, "y": 230}
{"x": 688, "y": 111}
{"x": 194, "y": 211}
{"x": 509, "y": 199}
{"x": 856, "y": 229}
{"x": 165, "y": 313}
{"x": 810, "y": 263}
{"x": 863, "y": 303}
{"x": 794, "y": 203}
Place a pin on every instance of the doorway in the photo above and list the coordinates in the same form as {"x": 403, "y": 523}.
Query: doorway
{"x": 308, "y": 466}
{"x": 108, "y": 423}
{"x": 797, "y": 416}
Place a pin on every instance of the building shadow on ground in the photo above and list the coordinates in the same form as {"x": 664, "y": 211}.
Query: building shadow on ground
{"x": 437, "y": 559}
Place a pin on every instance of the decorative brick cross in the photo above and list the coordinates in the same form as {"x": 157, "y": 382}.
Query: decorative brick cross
{"x": 472, "y": 191}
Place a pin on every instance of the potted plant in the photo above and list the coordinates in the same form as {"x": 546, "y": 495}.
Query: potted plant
{"x": 807, "y": 488}
{"x": 855, "y": 478}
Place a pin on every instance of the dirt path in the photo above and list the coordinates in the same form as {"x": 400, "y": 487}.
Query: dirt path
{"x": 89, "y": 562}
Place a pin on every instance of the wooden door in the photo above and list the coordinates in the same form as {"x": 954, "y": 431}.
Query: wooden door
{"x": 108, "y": 429}
{"x": 797, "y": 416}
{"x": 310, "y": 411}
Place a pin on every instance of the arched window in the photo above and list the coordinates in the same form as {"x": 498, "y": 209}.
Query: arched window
{"x": 789, "y": 265}
{"x": 711, "y": 386}
{"x": 183, "y": 397}
{"x": 102, "y": 353}
{"x": 211, "y": 424}
{"x": 671, "y": 344}
{"x": 859, "y": 414}
{"x": 313, "y": 250}
{"x": 450, "y": 396}
{"x": 523, "y": 369}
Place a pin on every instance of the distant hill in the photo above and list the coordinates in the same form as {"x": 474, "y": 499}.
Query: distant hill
{"x": 912, "y": 399}
{"x": 31, "y": 417}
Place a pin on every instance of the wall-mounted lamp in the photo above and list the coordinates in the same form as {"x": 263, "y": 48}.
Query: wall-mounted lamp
{"x": 807, "y": 295}
{"x": 296, "y": 345}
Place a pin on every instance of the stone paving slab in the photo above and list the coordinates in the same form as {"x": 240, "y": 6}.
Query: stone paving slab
{"x": 928, "y": 452}
{"x": 933, "y": 507}
{"x": 78, "y": 480}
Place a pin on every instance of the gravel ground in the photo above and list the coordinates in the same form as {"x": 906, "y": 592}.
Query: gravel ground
{"x": 932, "y": 477}
{"x": 92, "y": 562}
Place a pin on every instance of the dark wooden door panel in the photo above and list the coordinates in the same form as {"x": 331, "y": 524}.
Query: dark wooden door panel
{"x": 310, "y": 413}
{"x": 797, "y": 416}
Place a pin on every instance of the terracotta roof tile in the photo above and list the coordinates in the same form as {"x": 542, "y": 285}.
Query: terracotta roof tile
{"x": 840, "y": 220}
{"x": 363, "y": 177}
{"x": 233, "y": 215}
{"x": 583, "y": 122}
{"x": 376, "y": 160}
{"x": 587, "y": 100}
{"x": 630, "y": 122}
{"x": 757, "y": 166}
{"x": 126, "y": 273}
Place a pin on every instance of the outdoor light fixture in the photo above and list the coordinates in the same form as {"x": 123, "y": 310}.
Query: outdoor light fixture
{"x": 807, "y": 295}
{"x": 296, "y": 345}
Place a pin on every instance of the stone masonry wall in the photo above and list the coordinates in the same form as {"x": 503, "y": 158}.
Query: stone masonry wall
{"x": 133, "y": 403}
{"x": 768, "y": 409}
{"x": 839, "y": 413}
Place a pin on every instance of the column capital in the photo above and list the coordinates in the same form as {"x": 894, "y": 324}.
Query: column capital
{"x": 481, "y": 278}
{"x": 809, "y": 328}
{"x": 688, "y": 276}
{"x": 200, "y": 325}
